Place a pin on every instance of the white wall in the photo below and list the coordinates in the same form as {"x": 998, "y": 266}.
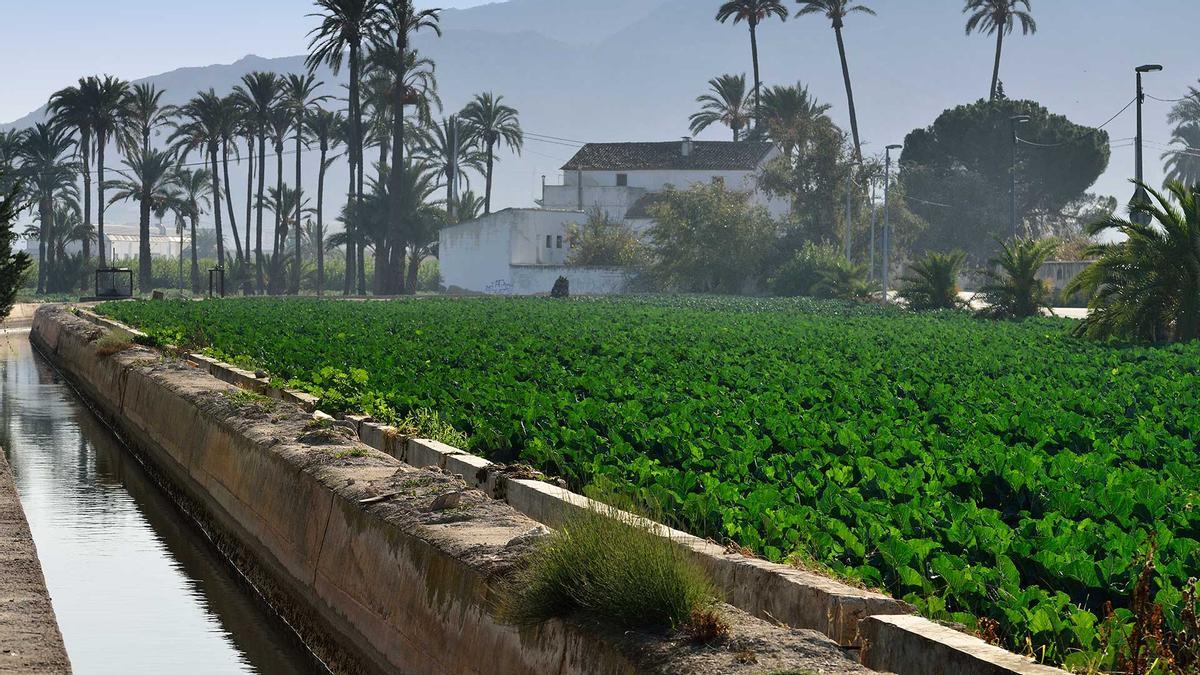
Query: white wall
{"x": 477, "y": 255}
{"x": 538, "y": 280}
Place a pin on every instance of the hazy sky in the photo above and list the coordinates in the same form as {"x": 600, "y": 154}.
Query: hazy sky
{"x": 112, "y": 37}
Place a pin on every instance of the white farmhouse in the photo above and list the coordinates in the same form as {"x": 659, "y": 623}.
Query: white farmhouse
{"x": 523, "y": 251}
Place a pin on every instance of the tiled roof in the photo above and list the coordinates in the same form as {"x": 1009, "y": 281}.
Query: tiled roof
{"x": 705, "y": 156}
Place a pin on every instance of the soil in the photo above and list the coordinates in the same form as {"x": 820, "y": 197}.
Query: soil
{"x": 30, "y": 641}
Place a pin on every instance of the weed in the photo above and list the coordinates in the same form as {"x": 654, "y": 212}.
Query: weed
{"x": 605, "y": 564}
{"x": 705, "y": 625}
{"x": 243, "y": 397}
{"x": 427, "y": 423}
{"x": 352, "y": 452}
{"x": 114, "y": 342}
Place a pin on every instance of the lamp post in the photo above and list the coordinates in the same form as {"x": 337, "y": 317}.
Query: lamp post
{"x": 887, "y": 181}
{"x": 1139, "y": 194}
{"x": 1013, "y": 122}
{"x": 873, "y": 210}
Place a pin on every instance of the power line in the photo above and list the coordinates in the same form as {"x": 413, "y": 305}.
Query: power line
{"x": 1174, "y": 100}
{"x": 1090, "y": 131}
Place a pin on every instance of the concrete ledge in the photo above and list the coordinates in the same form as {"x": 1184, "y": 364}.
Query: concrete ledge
{"x": 912, "y": 645}
{"x": 30, "y": 641}
{"x": 348, "y": 540}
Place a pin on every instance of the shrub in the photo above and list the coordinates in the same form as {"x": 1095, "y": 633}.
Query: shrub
{"x": 802, "y": 272}
{"x": 843, "y": 280}
{"x": 114, "y": 342}
{"x": 1013, "y": 289}
{"x": 604, "y": 242}
{"x": 612, "y": 568}
{"x": 932, "y": 282}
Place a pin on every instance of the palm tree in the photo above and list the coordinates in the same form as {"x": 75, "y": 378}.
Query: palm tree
{"x": 790, "y": 116}
{"x": 202, "y": 124}
{"x": 149, "y": 181}
{"x": 468, "y": 206}
{"x": 279, "y": 125}
{"x": 1013, "y": 290}
{"x": 142, "y": 113}
{"x": 836, "y": 11}
{"x": 448, "y": 149}
{"x": 345, "y": 26}
{"x": 1183, "y": 159}
{"x": 1147, "y": 286}
{"x": 195, "y": 187}
{"x": 1187, "y": 110}
{"x": 325, "y": 128}
{"x": 492, "y": 122}
{"x": 842, "y": 279}
{"x": 932, "y": 282}
{"x": 69, "y": 108}
{"x": 753, "y": 12}
{"x": 998, "y": 17}
{"x": 299, "y": 97}
{"x": 106, "y": 100}
{"x": 725, "y": 103}
{"x": 45, "y": 159}
{"x": 258, "y": 96}
{"x": 230, "y": 123}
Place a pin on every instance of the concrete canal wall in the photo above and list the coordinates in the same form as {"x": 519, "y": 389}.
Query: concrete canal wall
{"x": 30, "y": 641}
{"x": 348, "y": 543}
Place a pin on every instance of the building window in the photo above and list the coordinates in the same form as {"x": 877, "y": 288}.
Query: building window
{"x": 547, "y": 241}
{"x": 622, "y": 180}
{"x": 559, "y": 242}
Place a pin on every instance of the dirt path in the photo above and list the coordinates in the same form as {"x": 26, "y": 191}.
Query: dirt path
{"x": 30, "y": 641}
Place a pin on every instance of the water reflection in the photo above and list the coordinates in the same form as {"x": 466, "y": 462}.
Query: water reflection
{"x": 135, "y": 587}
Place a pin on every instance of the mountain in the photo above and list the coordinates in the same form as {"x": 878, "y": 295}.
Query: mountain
{"x": 630, "y": 70}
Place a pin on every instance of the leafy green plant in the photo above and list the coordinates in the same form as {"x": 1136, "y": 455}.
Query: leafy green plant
{"x": 605, "y": 564}
{"x": 1013, "y": 289}
{"x": 932, "y": 282}
{"x": 114, "y": 342}
{"x": 843, "y": 280}
{"x": 1005, "y": 471}
{"x": 802, "y": 271}
{"x": 1146, "y": 286}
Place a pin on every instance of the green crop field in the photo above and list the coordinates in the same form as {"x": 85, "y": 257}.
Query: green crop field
{"x": 977, "y": 469}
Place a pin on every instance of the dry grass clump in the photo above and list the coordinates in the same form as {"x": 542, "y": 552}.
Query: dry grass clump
{"x": 608, "y": 566}
{"x": 114, "y": 342}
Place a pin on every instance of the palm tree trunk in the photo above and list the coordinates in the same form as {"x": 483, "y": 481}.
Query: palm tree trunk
{"x": 195, "y": 254}
{"x": 100, "y": 246}
{"x": 414, "y": 268}
{"x": 276, "y": 284}
{"x": 145, "y": 280}
{"x": 321, "y": 224}
{"x": 249, "y": 192}
{"x": 44, "y": 214}
{"x": 996, "y": 66}
{"x": 86, "y": 150}
{"x": 216, "y": 190}
{"x": 295, "y": 285}
{"x": 757, "y": 78}
{"x": 260, "y": 286}
{"x": 237, "y": 240}
{"x": 849, "y": 95}
{"x": 394, "y": 280}
{"x": 357, "y": 152}
{"x": 348, "y": 281}
{"x": 487, "y": 204}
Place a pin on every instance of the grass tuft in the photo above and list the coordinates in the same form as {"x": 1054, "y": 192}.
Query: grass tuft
{"x": 611, "y": 568}
{"x": 427, "y": 423}
{"x": 114, "y": 342}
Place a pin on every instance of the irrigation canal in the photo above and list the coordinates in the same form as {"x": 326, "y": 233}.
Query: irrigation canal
{"x": 136, "y": 587}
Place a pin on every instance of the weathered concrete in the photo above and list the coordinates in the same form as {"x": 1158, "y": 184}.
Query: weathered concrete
{"x": 30, "y": 641}
{"x": 912, "y": 645}
{"x": 21, "y": 316}
{"x": 344, "y": 539}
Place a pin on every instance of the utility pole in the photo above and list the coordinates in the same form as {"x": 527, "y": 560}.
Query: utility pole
{"x": 887, "y": 182}
{"x": 1012, "y": 123}
{"x": 1139, "y": 195}
{"x": 871, "y": 277}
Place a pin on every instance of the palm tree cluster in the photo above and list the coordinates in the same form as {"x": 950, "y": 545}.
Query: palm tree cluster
{"x": 394, "y": 206}
{"x": 1183, "y": 158}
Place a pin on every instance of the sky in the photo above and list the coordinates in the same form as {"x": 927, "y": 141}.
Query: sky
{"x": 110, "y": 37}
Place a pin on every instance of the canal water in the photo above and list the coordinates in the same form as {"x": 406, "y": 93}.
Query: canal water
{"x": 136, "y": 587}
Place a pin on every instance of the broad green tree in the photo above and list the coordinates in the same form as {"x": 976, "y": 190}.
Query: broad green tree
{"x": 344, "y": 29}
{"x": 12, "y": 265}
{"x": 999, "y": 18}
{"x": 149, "y": 180}
{"x": 753, "y": 13}
{"x": 1146, "y": 283}
{"x": 492, "y": 122}
{"x": 725, "y": 103}
{"x": 837, "y": 11}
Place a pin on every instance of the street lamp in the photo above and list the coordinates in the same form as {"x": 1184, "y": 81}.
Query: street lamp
{"x": 887, "y": 181}
{"x": 1013, "y": 122}
{"x": 1139, "y": 194}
